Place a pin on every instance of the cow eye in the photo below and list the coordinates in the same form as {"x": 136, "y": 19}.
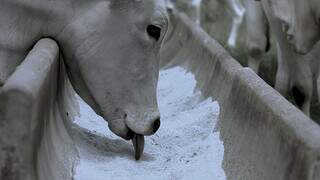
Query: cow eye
{"x": 154, "y": 32}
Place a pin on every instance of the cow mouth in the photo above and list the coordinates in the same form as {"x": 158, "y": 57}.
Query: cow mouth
{"x": 138, "y": 144}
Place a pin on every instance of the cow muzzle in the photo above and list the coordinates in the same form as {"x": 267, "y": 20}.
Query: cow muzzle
{"x": 146, "y": 125}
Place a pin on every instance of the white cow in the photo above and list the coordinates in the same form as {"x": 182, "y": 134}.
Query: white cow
{"x": 110, "y": 48}
{"x": 295, "y": 72}
{"x": 237, "y": 11}
{"x": 301, "y": 22}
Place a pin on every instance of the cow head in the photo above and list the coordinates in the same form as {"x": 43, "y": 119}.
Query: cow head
{"x": 300, "y": 22}
{"x": 111, "y": 50}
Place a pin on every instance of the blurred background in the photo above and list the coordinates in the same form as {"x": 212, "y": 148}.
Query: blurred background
{"x": 226, "y": 24}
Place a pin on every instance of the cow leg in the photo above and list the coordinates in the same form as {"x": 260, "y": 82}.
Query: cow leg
{"x": 238, "y": 13}
{"x": 302, "y": 97}
{"x": 294, "y": 75}
{"x": 302, "y": 85}
{"x": 234, "y": 32}
{"x": 282, "y": 76}
{"x": 198, "y": 11}
{"x": 257, "y": 33}
{"x": 255, "y": 59}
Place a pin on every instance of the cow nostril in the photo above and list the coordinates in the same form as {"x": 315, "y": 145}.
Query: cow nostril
{"x": 154, "y": 32}
{"x": 156, "y": 125}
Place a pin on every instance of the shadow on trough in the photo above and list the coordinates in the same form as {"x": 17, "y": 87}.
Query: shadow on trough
{"x": 105, "y": 146}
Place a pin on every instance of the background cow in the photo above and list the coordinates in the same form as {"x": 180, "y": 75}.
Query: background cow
{"x": 257, "y": 32}
{"x": 300, "y": 22}
{"x": 296, "y": 74}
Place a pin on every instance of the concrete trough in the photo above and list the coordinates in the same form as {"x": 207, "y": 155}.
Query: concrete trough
{"x": 265, "y": 136}
{"x": 34, "y": 121}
